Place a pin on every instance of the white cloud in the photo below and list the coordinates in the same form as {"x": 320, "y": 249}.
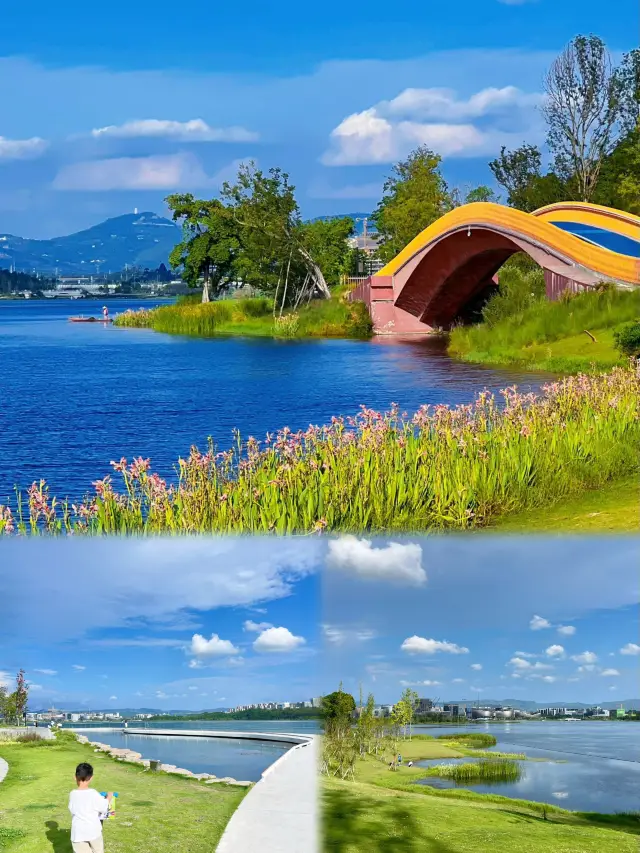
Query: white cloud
{"x": 420, "y": 645}
{"x": 192, "y": 687}
{"x": 476, "y": 666}
{"x": 22, "y": 149}
{"x": 585, "y": 657}
{"x": 195, "y": 130}
{"x": 161, "y": 172}
{"x": 589, "y": 667}
{"x": 537, "y": 623}
{"x": 420, "y": 683}
{"x": 214, "y": 647}
{"x": 433, "y": 117}
{"x": 139, "y": 642}
{"x": 458, "y": 680}
{"x": 523, "y": 663}
{"x": 549, "y": 678}
{"x": 46, "y": 671}
{"x": 78, "y": 667}
{"x": 112, "y": 698}
{"x": 250, "y": 625}
{"x": 610, "y": 672}
{"x": 566, "y": 630}
{"x": 336, "y": 635}
{"x": 555, "y": 651}
{"x": 630, "y": 649}
{"x": 526, "y": 655}
{"x": 277, "y": 640}
{"x": 397, "y": 562}
{"x": 34, "y": 687}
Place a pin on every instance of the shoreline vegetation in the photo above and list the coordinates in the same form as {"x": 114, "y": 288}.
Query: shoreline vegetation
{"x": 254, "y": 317}
{"x": 442, "y": 468}
{"x": 379, "y": 802}
{"x": 34, "y": 796}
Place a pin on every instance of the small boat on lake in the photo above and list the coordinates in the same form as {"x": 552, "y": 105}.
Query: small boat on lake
{"x": 90, "y": 320}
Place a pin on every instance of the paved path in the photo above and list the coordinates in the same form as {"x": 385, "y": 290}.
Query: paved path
{"x": 4, "y": 769}
{"x": 280, "y": 813}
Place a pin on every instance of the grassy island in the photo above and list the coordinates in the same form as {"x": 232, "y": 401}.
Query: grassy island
{"x": 156, "y": 811}
{"x": 254, "y": 317}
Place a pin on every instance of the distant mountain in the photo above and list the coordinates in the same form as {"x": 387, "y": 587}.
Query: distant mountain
{"x": 135, "y": 239}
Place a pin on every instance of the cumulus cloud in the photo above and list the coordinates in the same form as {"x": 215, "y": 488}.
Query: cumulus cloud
{"x": 423, "y": 646}
{"x": 523, "y": 663}
{"x": 610, "y": 672}
{"x": 476, "y": 666}
{"x": 256, "y": 627}
{"x": 537, "y": 623}
{"x": 555, "y": 651}
{"x": 278, "y": 640}
{"x": 22, "y": 149}
{"x": 420, "y": 683}
{"x": 566, "y": 630}
{"x": 585, "y": 657}
{"x": 630, "y": 649}
{"x": 195, "y": 130}
{"x": 395, "y": 561}
{"x": 214, "y": 647}
{"x": 161, "y": 172}
{"x": 458, "y": 680}
{"x": 78, "y": 667}
{"x": 112, "y": 698}
{"x": 549, "y": 678}
{"x": 435, "y": 117}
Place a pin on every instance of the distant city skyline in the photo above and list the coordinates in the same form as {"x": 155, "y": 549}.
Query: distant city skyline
{"x": 93, "y": 128}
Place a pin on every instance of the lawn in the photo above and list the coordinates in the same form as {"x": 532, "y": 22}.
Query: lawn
{"x": 614, "y": 507}
{"x": 156, "y": 812}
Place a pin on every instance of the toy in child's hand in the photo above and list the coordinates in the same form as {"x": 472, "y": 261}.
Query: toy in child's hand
{"x": 112, "y": 805}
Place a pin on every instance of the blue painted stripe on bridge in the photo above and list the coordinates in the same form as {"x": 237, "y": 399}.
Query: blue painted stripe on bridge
{"x": 614, "y": 242}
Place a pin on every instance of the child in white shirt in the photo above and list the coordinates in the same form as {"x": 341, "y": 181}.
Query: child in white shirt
{"x": 88, "y": 809}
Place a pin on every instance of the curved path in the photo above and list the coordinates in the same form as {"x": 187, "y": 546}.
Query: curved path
{"x": 4, "y": 769}
{"x": 453, "y": 261}
{"x": 279, "y": 814}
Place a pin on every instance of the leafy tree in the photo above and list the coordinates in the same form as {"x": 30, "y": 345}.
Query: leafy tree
{"x": 515, "y": 171}
{"x": 210, "y": 245}
{"x": 14, "y": 705}
{"x": 582, "y": 110}
{"x": 481, "y": 193}
{"x": 274, "y": 256}
{"x": 338, "y": 705}
{"x": 628, "y": 75}
{"x": 619, "y": 183}
{"x": 402, "y": 713}
{"x": 414, "y": 196}
{"x": 326, "y": 242}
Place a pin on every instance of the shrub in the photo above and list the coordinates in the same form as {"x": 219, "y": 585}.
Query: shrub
{"x": 628, "y": 340}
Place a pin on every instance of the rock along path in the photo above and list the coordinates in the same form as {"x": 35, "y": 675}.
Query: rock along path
{"x": 280, "y": 812}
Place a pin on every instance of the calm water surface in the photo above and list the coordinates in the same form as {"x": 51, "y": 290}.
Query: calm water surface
{"x": 588, "y": 766}
{"x": 241, "y": 759}
{"x": 75, "y": 396}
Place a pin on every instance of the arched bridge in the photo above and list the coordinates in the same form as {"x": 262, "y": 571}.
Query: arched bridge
{"x": 455, "y": 260}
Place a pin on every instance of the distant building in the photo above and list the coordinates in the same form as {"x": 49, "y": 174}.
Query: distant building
{"x": 423, "y": 706}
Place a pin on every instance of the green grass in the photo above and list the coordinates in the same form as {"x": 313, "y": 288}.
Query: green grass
{"x": 365, "y": 818}
{"x": 254, "y": 318}
{"x": 155, "y": 811}
{"x": 614, "y": 508}
{"x": 485, "y": 770}
{"x": 551, "y": 336}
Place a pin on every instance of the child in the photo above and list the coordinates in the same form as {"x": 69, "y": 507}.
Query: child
{"x": 88, "y": 809}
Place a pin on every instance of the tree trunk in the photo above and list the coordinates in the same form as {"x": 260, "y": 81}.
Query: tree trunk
{"x": 316, "y": 273}
{"x": 206, "y": 295}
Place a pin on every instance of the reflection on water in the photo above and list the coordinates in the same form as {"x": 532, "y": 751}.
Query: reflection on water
{"x": 235, "y": 757}
{"x": 76, "y": 396}
{"x": 587, "y": 766}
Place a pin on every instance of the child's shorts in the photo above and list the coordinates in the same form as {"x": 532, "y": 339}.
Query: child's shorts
{"x": 95, "y": 846}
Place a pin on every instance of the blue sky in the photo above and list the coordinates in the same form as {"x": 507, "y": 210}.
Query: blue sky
{"x": 189, "y": 623}
{"x": 112, "y": 108}
{"x": 545, "y": 619}
{"x": 183, "y": 623}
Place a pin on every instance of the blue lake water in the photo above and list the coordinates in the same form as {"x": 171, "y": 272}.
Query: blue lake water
{"x": 75, "y": 396}
{"x": 241, "y": 759}
{"x": 587, "y": 767}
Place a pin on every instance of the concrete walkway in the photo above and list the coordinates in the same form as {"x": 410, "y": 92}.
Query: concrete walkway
{"x": 280, "y": 813}
{"x": 4, "y": 769}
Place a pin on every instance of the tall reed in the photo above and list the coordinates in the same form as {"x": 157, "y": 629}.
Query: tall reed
{"x": 442, "y": 468}
{"x": 500, "y": 770}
